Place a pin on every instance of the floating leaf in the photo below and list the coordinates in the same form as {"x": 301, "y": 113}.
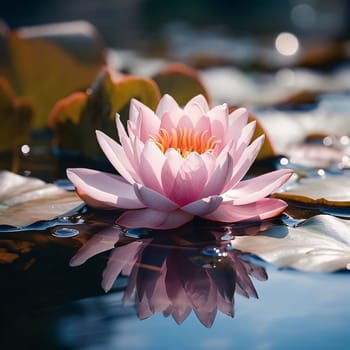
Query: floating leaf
{"x": 181, "y": 82}
{"x": 25, "y": 200}
{"x": 15, "y": 118}
{"x": 49, "y": 62}
{"x": 330, "y": 191}
{"x": 321, "y": 243}
{"x": 76, "y": 117}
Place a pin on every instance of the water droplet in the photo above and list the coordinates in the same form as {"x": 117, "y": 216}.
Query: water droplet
{"x": 215, "y": 252}
{"x": 63, "y": 220}
{"x": 65, "y": 232}
{"x": 135, "y": 232}
{"x": 227, "y": 237}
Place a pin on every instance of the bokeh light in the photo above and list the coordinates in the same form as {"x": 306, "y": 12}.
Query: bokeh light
{"x": 287, "y": 44}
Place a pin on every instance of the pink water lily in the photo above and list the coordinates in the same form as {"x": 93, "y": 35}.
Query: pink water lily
{"x": 177, "y": 163}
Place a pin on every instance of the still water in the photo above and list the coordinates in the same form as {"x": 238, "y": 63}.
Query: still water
{"x": 52, "y": 294}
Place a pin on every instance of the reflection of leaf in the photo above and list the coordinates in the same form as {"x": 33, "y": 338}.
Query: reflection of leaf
{"x": 15, "y": 118}
{"x": 181, "y": 82}
{"x": 321, "y": 243}
{"x": 44, "y": 70}
{"x": 331, "y": 190}
{"x": 25, "y": 200}
{"x": 76, "y": 117}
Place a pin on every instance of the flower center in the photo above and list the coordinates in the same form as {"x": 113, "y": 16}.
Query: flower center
{"x": 185, "y": 141}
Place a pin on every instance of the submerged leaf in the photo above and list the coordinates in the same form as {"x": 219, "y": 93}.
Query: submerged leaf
{"x": 321, "y": 243}
{"x": 25, "y": 200}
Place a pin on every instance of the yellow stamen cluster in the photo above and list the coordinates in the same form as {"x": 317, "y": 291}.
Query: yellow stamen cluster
{"x": 185, "y": 141}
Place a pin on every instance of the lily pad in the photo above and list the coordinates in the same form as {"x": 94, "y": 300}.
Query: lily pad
{"x": 329, "y": 190}
{"x": 49, "y": 62}
{"x": 181, "y": 82}
{"x": 75, "y": 118}
{"x": 321, "y": 243}
{"x": 25, "y": 200}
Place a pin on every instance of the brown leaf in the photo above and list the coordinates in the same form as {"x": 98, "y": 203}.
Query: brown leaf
{"x": 48, "y": 64}
{"x": 25, "y": 200}
{"x": 75, "y": 118}
{"x": 15, "y": 118}
{"x": 181, "y": 82}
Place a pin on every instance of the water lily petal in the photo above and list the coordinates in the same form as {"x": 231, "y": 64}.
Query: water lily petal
{"x": 128, "y": 147}
{"x": 250, "y": 190}
{"x": 153, "y": 199}
{"x": 151, "y": 163}
{"x": 171, "y": 167}
{"x": 203, "y": 206}
{"x": 244, "y": 163}
{"x": 195, "y": 103}
{"x": 100, "y": 242}
{"x": 104, "y": 190}
{"x": 245, "y": 138}
{"x": 236, "y": 122}
{"x": 219, "y": 177}
{"x": 190, "y": 179}
{"x": 167, "y": 105}
{"x": 257, "y": 211}
{"x": 154, "y": 219}
{"x": 218, "y": 117}
{"x": 121, "y": 256}
{"x": 116, "y": 155}
{"x": 149, "y": 121}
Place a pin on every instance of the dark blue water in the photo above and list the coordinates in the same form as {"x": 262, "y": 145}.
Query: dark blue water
{"x": 48, "y": 304}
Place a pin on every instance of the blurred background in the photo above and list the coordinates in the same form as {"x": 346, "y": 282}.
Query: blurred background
{"x": 136, "y": 23}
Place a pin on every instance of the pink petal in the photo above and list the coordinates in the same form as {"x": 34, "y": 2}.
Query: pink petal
{"x": 151, "y": 163}
{"x": 237, "y": 120}
{"x": 256, "y": 188}
{"x": 245, "y": 162}
{"x": 154, "y": 200}
{"x": 154, "y": 219}
{"x": 167, "y": 104}
{"x": 98, "y": 243}
{"x": 189, "y": 181}
{"x": 203, "y": 206}
{"x": 260, "y": 210}
{"x": 245, "y": 138}
{"x": 219, "y": 177}
{"x": 198, "y": 102}
{"x": 102, "y": 189}
{"x": 128, "y": 148}
{"x": 121, "y": 256}
{"x": 218, "y": 117}
{"x": 173, "y": 163}
{"x": 150, "y": 122}
{"x": 116, "y": 155}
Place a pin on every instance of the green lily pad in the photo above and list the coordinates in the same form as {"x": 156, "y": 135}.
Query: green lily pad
{"x": 75, "y": 118}
{"x": 46, "y": 63}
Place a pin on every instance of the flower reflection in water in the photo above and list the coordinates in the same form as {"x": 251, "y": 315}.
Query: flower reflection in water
{"x": 175, "y": 272}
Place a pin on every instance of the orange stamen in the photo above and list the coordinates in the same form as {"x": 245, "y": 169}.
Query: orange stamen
{"x": 185, "y": 141}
